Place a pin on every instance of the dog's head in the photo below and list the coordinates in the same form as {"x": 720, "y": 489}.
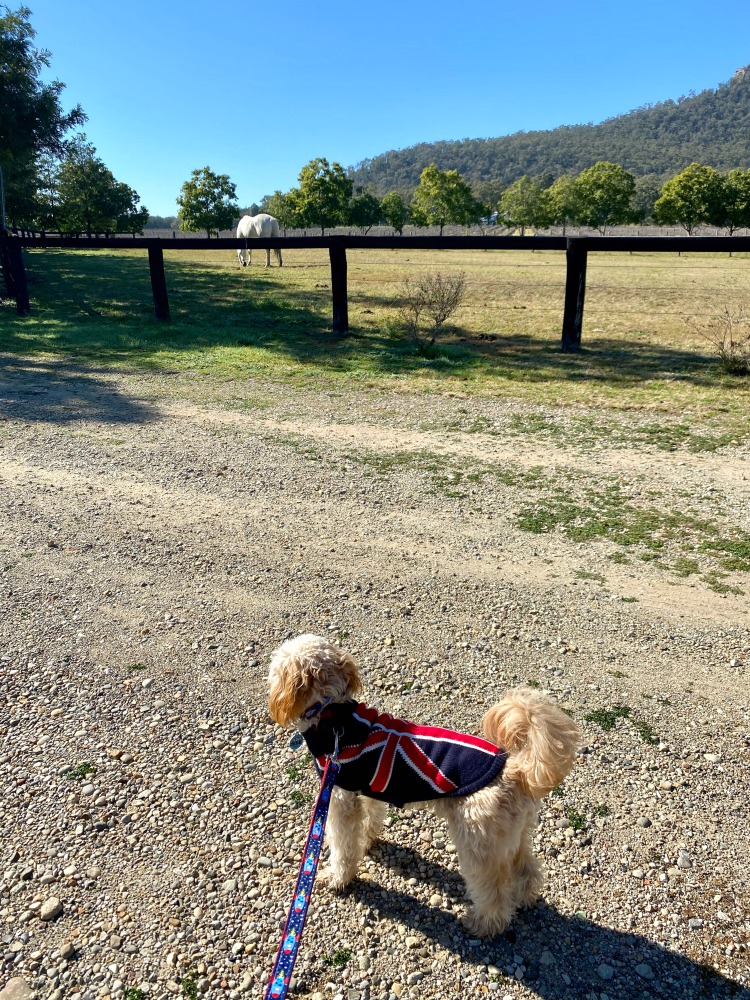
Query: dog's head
{"x": 305, "y": 671}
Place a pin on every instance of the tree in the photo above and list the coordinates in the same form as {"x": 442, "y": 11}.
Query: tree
{"x": 443, "y": 197}
{"x": 207, "y": 201}
{"x": 395, "y": 211}
{"x": 32, "y": 121}
{"x": 89, "y": 197}
{"x": 647, "y": 191}
{"x": 733, "y": 208}
{"x": 325, "y": 191}
{"x": 562, "y": 201}
{"x": 525, "y": 203}
{"x": 364, "y": 210}
{"x": 287, "y": 208}
{"x": 604, "y": 193}
{"x": 690, "y": 198}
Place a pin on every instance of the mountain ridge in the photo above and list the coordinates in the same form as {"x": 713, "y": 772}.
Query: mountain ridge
{"x": 711, "y": 127}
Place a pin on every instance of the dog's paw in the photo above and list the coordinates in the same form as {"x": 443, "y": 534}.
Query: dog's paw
{"x": 483, "y": 925}
{"x": 334, "y": 880}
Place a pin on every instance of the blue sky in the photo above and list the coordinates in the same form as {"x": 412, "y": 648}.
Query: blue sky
{"x": 256, "y": 90}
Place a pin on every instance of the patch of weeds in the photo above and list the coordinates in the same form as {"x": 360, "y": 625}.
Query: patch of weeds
{"x": 648, "y": 697}
{"x": 684, "y": 567}
{"x": 342, "y": 635}
{"x": 407, "y": 685}
{"x": 533, "y": 684}
{"x": 393, "y": 815}
{"x": 577, "y": 820}
{"x": 645, "y": 732}
{"x": 568, "y": 711}
{"x": 189, "y": 987}
{"x": 557, "y": 792}
{"x": 133, "y": 993}
{"x": 737, "y": 549}
{"x": 583, "y": 574}
{"x": 629, "y": 600}
{"x": 713, "y": 581}
{"x": 607, "y": 717}
{"x": 531, "y": 423}
{"x": 84, "y": 769}
{"x": 298, "y": 798}
{"x": 617, "y": 673}
{"x": 618, "y": 557}
{"x": 601, "y": 810}
{"x": 339, "y": 958}
{"x": 295, "y": 772}
{"x": 135, "y": 666}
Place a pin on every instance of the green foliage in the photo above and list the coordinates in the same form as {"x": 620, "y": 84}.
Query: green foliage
{"x": 525, "y": 203}
{"x": 690, "y": 198}
{"x": 364, "y": 211}
{"x": 394, "y": 211}
{"x": 603, "y": 194}
{"x": 32, "y": 121}
{"x": 83, "y": 770}
{"x": 434, "y": 296}
{"x": 606, "y": 718}
{"x": 733, "y": 210}
{"x": 338, "y": 959}
{"x": 562, "y": 201}
{"x": 577, "y": 820}
{"x": 443, "y": 197}
{"x": 659, "y": 140}
{"x": 189, "y": 987}
{"x": 324, "y": 194}
{"x": 90, "y": 199}
{"x": 287, "y": 208}
{"x": 207, "y": 201}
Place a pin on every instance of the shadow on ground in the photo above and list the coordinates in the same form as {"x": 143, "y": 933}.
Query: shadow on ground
{"x": 64, "y": 392}
{"x": 97, "y": 305}
{"x": 565, "y": 957}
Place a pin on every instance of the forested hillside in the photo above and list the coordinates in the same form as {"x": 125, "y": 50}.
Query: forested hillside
{"x": 712, "y": 128}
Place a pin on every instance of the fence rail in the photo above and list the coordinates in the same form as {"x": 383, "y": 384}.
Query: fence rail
{"x": 576, "y": 250}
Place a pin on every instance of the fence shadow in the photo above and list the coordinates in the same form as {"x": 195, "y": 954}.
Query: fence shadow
{"x": 97, "y": 306}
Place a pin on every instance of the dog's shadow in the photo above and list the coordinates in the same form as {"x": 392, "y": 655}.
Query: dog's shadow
{"x": 564, "y": 956}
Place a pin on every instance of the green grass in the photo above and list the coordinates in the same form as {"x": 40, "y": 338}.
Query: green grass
{"x": 233, "y": 324}
{"x": 83, "y": 770}
{"x": 606, "y": 718}
{"x": 339, "y": 958}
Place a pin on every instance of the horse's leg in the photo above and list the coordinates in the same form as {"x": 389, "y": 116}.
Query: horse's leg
{"x": 278, "y": 258}
{"x": 268, "y": 256}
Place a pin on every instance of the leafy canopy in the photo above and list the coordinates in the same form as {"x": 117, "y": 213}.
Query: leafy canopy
{"x": 207, "y": 201}
{"x": 324, "y": 192}
{"x": 604, "y": 193}
{"x": 91, "y": 199}
{"x": 690, "y": 198}
{"x": 443, "y": 197}
{"x": 32, "y": 121}
{"x": 525, "y": 203}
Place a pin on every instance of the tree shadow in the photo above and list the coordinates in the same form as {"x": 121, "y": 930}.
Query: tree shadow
{"x": 64, "y": 392}
{"x": 98, "y": 306}
{"x": 564, "y": 957}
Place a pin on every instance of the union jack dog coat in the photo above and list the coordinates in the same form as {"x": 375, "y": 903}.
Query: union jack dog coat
{"x": 400, "y": 762}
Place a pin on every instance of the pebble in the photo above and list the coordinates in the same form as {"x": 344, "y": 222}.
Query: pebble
{"x": 186, "y": 839}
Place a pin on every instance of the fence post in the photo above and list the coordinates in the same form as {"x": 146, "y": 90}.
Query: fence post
{"x": 158, "y": 282}
{"x": 337, "y": 253}
{"x": 575, "y": 292}
{"x": 14, "y": 274}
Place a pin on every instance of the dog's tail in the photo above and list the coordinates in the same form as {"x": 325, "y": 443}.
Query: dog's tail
{"x": 540, "y": 738}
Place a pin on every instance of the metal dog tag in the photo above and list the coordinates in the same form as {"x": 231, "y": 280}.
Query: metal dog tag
{"x": 296, "y": 741}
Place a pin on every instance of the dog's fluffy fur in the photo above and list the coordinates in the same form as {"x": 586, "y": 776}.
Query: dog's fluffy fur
{"x": 491, "y": 828}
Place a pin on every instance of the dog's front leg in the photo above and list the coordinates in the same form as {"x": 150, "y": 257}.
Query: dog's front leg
{"x": 345, "y": 835}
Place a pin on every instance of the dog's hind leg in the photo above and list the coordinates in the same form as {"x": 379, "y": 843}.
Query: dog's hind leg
{"x": 375, "y": 813}
{"x": 345, "y": 835}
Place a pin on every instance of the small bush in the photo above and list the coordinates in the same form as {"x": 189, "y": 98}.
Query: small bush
{"x": 427, "y": 301}
{"x": 729, "y": 333}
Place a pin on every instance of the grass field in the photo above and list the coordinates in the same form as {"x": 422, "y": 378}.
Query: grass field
{"x": 639, "y": 348}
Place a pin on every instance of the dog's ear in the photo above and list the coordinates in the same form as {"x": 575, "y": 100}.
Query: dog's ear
{"x": 350, "y": 673}
{"x": 289, "y": 693}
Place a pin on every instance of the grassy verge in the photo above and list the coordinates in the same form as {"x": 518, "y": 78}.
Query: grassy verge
{"x": 232, "y": 324}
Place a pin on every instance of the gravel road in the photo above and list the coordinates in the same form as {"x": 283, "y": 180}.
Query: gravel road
{"x": 154, "y": 551}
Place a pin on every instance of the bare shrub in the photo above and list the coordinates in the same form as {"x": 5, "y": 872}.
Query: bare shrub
{"x": 427, "y": 301}
{"x": 729, "y": 333}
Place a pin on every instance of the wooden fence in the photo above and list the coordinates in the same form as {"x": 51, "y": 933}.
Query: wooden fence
{"x": 576, "y": 251}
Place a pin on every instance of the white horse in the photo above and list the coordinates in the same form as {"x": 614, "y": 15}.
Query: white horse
{"x": 263, "y": 227}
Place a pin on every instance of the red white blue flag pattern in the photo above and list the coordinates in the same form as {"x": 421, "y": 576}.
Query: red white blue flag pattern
{"x": 278, "y": 984}
{"x": 398, "y": 761}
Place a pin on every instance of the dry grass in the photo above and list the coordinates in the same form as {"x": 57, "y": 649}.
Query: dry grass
{"x": 639, "y": 350}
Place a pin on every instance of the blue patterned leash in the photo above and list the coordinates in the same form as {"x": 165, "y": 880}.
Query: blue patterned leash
{"x": 278, "y": 984}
